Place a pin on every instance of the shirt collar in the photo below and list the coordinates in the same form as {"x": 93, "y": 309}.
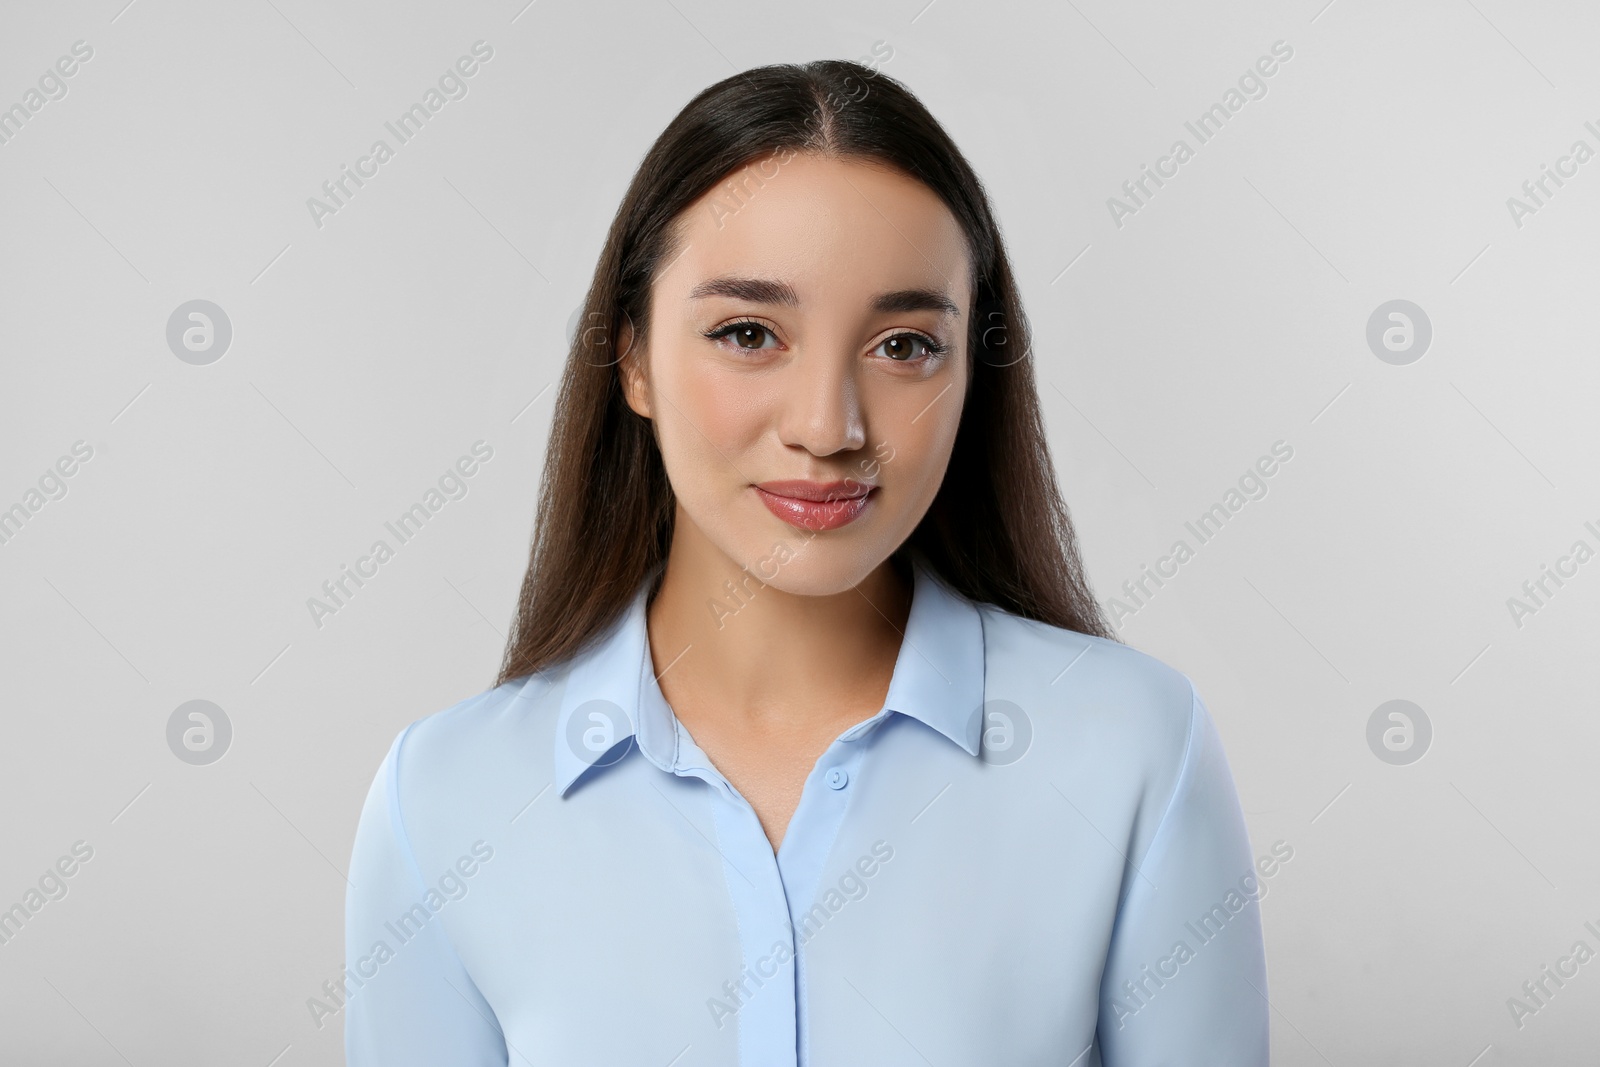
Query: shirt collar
{"x": 612, "y": 702}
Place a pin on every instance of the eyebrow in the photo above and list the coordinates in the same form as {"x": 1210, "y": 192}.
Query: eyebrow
{"x": 765, "y": 291}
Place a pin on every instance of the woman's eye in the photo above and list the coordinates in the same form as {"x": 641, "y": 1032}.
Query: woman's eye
{"x": 905, "y": 347}
{"x": 900, "y": 348}
{"x": 751, "y": 336}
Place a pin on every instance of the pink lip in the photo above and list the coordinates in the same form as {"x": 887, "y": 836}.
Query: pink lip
{"x": 815, "y": 505}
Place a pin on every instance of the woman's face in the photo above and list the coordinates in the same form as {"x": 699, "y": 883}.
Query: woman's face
{"x": 812, "y": 329}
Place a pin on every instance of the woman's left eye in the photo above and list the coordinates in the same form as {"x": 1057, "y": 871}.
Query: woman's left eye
{"x": 902, "y": 347}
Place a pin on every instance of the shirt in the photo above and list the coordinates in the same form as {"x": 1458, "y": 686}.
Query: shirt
{"x": 1033, "y": 854}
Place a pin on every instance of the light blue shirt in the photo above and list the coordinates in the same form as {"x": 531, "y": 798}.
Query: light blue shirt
{"x": 1033, "y": 854}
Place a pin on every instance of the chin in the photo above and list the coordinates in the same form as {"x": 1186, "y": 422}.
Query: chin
{"x": 796, "y": 562}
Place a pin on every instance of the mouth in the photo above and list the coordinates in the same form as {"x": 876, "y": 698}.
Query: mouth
{"x": 816, "y": 505}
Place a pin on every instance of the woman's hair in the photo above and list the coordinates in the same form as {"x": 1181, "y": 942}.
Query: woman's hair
{"x": 998, "y": 530}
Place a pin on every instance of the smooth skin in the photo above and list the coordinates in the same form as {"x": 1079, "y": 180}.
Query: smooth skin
{"x": 828, "y": 387}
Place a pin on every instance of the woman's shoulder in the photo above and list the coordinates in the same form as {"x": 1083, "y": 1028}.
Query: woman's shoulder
{"x": 1117, "y": 728}
{"x": 1090, "y": 687}
{"x": 1050, "y": 654}
{"x": 476, "y": 736}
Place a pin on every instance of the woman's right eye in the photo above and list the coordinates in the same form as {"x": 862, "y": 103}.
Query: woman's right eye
{"x": 750, "y": 336}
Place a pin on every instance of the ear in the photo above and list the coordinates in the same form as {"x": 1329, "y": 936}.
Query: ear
{"x": 631, "y": 368}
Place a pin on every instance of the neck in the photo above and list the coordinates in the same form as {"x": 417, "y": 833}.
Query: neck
{"x": 727, "y": 646}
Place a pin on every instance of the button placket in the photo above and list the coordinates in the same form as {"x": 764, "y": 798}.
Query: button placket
{"x": 772, "y": 892}
{"x": 807, "y": 844}
{"x": 762, "y": 995}
{"x": 761, "y": 999}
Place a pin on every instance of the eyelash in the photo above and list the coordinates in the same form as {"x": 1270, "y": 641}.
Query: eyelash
{"x": 936, "y": 349}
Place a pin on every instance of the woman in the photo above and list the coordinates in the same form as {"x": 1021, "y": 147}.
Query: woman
{"x": 810, "y": 745}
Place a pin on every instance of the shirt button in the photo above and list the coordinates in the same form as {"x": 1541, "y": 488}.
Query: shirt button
{"x": 838, "y": 778}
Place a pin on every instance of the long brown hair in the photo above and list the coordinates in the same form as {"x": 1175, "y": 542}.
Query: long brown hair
{"x": 998, "y": 531}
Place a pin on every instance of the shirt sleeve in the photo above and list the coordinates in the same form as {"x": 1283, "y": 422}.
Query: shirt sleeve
{"x": 1185, "y": 977}
{"x": 410, "y": 1000}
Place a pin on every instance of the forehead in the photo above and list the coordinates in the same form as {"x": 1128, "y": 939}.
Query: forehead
{"x": 830, "y": 228}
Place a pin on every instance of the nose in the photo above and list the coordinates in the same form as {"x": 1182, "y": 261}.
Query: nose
{"x": 821, "y": 407}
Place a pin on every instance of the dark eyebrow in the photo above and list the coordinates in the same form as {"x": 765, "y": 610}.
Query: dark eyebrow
{"x": 763, "y": 291}
{"x": 916, "y": 300}
{"x": 755, "y": 290}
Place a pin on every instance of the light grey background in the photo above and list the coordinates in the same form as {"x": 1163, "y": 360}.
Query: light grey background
{"x": 1228, "y": 313}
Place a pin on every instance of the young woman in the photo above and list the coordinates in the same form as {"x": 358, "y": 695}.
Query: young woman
{"x": 810, "y": 745}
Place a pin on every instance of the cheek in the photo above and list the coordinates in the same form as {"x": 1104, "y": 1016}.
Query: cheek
{"x": 931, "y": 456}
{"x": 914, "y": 445}
{"x": 708, "y": 420}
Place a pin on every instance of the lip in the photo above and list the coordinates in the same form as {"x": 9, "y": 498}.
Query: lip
{"x": 799, "y": 489}
{"x": 815, "y": 505}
